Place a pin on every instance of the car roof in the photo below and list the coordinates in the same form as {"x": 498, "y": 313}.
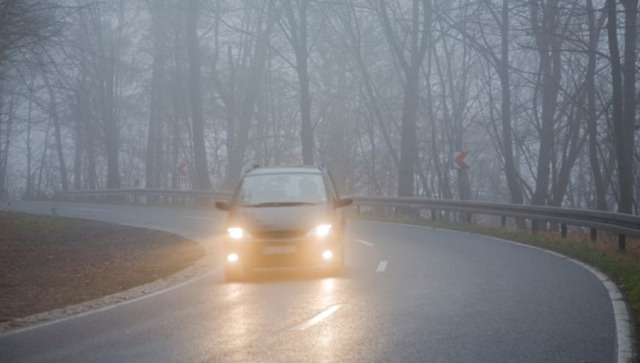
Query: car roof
{"x": 285, "y": 170}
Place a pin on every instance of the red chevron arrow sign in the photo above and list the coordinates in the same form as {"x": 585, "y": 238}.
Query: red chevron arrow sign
{"x": 459, "y": 161}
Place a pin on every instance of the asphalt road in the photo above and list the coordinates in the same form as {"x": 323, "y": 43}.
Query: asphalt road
{"x": 408, "y": 294}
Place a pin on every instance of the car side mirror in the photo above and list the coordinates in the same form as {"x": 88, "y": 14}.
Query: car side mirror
{"x": 343, "y": 202}
{"x": 223, "y": 206}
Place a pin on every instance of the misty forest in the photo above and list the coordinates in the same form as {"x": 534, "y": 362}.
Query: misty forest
{"x": 188, "y": 94}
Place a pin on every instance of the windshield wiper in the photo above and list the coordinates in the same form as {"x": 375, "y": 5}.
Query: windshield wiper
{"x": 277, "y": 204}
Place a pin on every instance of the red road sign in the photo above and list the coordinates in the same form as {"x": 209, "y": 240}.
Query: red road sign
{"x": 459, "y": 161}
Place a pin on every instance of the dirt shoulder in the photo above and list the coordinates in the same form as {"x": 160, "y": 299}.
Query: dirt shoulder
{"x": 49, "y": 263}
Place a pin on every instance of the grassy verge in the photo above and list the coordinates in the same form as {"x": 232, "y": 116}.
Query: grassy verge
{"x": 48, "y": 263}
{"x": 623, "y": 268}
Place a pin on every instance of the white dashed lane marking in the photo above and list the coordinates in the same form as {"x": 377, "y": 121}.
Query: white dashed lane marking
{"x": 382, "y": 266}
{"x": 316, "y": 319}
{"x": 365, "y": 243}
{"x": 90, "y": 210}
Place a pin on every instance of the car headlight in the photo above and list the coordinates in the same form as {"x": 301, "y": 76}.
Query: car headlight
{"x": 320, "y": 231}
{"x": 236, "y": 233}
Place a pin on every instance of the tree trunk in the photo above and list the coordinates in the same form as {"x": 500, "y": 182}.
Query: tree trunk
{"x": 53, "y": 113}
{"x": 306, "y": 131}
{"x": 544, "y": 30}
{"x": 617, "y": 101}
{"x": 252, "y": 88}
{"x": 79, "y": 140}
{"x": 592, "y": 118}
{"x": 201, "y": 169}
{"x": 43, "y": 160}
{"x": 92, "y": 172}
{"x": 411, "y": 65}
{"x": 153, "y": 165}
{"x": 106, "y": 78}
{"x": 180, "y": 113}
{"x": 302, "y": 63}
{"x": 626, "y": 127}
{"x": 28, "y": 193}
{"x": 511, "y": 172}
{"x": 3, "y": 150}
{"x": 297, "y": 34}
{"x": 111, "y": 146}
{"x": 408, "y": 145}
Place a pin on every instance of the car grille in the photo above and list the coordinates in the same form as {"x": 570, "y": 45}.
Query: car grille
{"x": 278, "y": 235}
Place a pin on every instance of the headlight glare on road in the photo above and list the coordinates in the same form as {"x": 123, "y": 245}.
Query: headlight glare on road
{"x": 233, "y": 257}
{"x": 320, "y": 231}
{"x": 236, "y": 233}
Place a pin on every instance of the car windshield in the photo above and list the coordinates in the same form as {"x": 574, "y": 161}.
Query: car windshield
{"x": 282, "y": 189}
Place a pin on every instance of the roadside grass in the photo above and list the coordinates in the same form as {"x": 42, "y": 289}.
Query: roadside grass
{"x": 49, "y": 263}
{"x": 622, "y": 267}
{"x": 43, "y": 223}
{"x": 156, "y": 203}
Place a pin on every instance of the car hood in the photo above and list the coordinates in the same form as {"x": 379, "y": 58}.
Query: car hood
{"x": 277, "y": 219}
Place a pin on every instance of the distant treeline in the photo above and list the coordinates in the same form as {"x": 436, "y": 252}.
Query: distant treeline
{"x": 189, "y": 93}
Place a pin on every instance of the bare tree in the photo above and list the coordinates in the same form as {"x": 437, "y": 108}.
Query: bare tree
{"x": 294, "y": 25}
{"x": 55, "y": 118}
{"x": 623, "y": 98}
{"x": 25, "y": 26}
{"x": 105, "y": 80}
{"x": 247, "y": 83}
{"x": 351, "y": 26}
{"x": 545, "y": 21}
{"x": 157, "y": 106}
{"x": 201, "y": 169}
{"x": 600, "y": 183}
{"x": 410, "y": 57}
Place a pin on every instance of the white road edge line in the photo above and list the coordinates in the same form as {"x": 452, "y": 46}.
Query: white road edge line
{"x": 90, "y": 210}
{"x": 179, "y": 285}
{"x": 365, "y": 243}
{"x": 624, "y": 332}
{"x": 382, "y": 266}
{"x": 316, "y": 319}
{"x": 112, "y": 306}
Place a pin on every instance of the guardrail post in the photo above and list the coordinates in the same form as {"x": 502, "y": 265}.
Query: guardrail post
{"x": 534, "y": 226}
{"x": 503, "y": 221}
{"x": 563, "y": 230}
{"x": 594, "y": 234}
{"x": 622, "y": 243}
{"x": 433, "y": 215}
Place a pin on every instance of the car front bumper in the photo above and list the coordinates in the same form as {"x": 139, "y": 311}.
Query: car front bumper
{"x": 300, "y": 252}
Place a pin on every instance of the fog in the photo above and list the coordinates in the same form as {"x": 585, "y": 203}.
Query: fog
{"x": 520, "y": 101}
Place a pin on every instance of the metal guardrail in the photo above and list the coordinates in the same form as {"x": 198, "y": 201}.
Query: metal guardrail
{"x": 145, "y": 196}
{"x": 622, "y": 224}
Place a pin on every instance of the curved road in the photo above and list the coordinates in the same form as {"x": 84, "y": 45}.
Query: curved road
{"x": 408, "y": 294}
